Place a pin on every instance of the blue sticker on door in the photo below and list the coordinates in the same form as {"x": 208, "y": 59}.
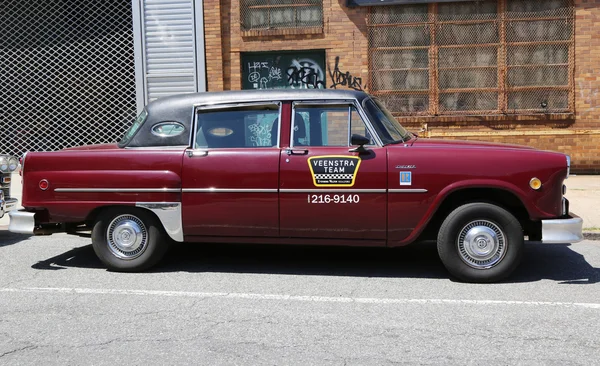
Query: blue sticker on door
{"x": 405, "y": 178}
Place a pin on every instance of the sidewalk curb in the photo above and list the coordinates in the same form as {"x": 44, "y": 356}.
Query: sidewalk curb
{"x": 591, "y": 235}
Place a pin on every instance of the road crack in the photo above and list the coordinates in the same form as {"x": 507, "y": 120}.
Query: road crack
{"x": 26, "y": 348}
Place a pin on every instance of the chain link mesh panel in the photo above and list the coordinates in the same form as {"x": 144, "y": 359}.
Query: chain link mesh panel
{"x": 484, "y": 57}
{"x": 280, "y": 14}
{"x": 540, "y": 55}
{"x": 399, "y": 52}
{"x": 67, "y": 73}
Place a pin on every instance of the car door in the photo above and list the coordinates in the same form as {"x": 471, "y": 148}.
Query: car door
{"x": 326, "y": 190}
{"x": 230, "y": 175}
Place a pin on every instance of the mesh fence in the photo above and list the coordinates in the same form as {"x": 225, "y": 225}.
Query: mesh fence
{"x": 279, "y": 14}
{"x": 484, "y": 57}
{"x": 67, "y": 73}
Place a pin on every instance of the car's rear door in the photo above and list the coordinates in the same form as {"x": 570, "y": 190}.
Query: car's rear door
{"x": 230, "y": 177}
{"x": 327, "y": 191}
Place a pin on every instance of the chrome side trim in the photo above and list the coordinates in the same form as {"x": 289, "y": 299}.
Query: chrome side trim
{"x": 413, "y": 190}
{"x": 562, "y": 230}
{"x": 169, "y": 214}
{"x": 21, "y": 222}
{"x": 118, "y": 190}
{"x": 328, "y": 190}
{"x": 229, "y": 190}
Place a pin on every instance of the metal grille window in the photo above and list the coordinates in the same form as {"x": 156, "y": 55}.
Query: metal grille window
{"x": 483, "y": 57}
{"x": 67, "y": 73}
{"x": 280, "y": 14}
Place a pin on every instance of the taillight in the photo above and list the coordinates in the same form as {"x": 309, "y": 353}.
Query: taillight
{"x": 44, "y": 184}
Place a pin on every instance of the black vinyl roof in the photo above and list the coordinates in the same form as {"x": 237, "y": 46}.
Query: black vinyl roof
{"x": 179, "y": 108}
{"x": 235, "y": 96}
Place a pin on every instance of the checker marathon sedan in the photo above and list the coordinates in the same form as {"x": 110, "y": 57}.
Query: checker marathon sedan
{"x": 309, "y": 167}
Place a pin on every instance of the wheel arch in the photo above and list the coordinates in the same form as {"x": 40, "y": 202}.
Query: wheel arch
{"x": 167, "y": 213}
{"x": 498, "y": 196}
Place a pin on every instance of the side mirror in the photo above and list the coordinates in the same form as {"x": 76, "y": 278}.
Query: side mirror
{"x": 360, "y": 141}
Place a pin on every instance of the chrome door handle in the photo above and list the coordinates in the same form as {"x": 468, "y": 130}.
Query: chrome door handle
{"x": 197, "y": 153}
{"x": 296, "y": 151}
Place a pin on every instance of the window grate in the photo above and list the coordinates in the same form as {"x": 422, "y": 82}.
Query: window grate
{"x": 484, "y": 57}
{"x": 280, "y": 14}
{"x": 67, "y": 74}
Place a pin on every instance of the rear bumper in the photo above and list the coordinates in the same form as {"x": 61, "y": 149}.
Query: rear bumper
{"x": 565, "y": 230}
{"x": 21, "y": 222}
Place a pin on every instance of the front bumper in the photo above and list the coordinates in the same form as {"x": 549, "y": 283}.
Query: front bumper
{"x": 7, "y": 205}
{"x": 567, "y": 230}
{"x": 21, "y": 222}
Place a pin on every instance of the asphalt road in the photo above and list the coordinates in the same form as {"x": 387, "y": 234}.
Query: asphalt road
{"x": 221, "y": 305}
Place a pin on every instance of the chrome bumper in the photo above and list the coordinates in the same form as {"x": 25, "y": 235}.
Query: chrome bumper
{"x": 21, "y": 222}
{"x": 563, "y": 230}
{"x": 7, "y": 206}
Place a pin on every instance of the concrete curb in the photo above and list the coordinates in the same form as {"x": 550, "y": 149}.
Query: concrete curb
{"x": 591, "y": 235}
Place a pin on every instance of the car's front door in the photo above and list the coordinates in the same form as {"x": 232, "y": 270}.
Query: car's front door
{"x": 230, "y": 177}
{"x": 326, "y": 190}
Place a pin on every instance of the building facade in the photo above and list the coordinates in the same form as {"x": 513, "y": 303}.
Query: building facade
{"x": 513, "y": 71}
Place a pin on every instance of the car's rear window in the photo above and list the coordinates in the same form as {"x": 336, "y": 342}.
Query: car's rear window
{"x": 139, "y": 121}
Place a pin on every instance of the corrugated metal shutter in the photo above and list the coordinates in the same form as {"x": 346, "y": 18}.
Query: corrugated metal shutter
{"x": 169, "y": 48}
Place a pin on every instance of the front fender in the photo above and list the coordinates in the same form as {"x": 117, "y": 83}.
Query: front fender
{"x": 439, "y": 199}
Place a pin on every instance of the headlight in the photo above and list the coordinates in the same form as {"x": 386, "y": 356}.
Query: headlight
{"x": 3, "y": 164}
{"x": 13, "y": 163}
{"x": 568, "y": 165}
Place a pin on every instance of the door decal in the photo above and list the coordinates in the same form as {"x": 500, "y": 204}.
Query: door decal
{"x": 334, "y": 170}
{"x": 405, "y": 178}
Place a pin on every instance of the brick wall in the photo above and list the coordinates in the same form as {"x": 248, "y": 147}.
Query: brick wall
{"x": 345, "y": 36}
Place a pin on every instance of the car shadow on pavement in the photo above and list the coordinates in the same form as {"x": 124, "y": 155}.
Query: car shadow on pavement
{"x": 556, "y": 262}
{"x": 7, "y": 238}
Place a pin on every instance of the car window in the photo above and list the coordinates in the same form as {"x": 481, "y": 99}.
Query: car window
{"x": 326, "y": 125}
{"x": 385, "y": 124}
{"x": 239, "y": 127}
{"x": 139, "y": 121}
{"x": 166, "y": 129}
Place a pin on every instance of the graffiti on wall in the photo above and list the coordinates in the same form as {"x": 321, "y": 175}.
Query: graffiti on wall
{"x": 306, "y": 74}
{"x": 345, "y": 79}
{"x": 294, "y": 70}
{"x": 276, "y": 70}
{"x": 262, "y": 74}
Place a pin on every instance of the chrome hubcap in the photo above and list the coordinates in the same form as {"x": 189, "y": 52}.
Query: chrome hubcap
{"x": 481, "y": 244}
{"x": 127, "y": 237}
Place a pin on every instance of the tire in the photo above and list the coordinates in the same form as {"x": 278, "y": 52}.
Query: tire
{"x": 480, "y": 242}
{"x": 141, "y": 244}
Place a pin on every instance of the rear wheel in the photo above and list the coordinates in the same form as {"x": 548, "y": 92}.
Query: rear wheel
{"x": 480, "y": 242}
{"x": 128, "y": 239}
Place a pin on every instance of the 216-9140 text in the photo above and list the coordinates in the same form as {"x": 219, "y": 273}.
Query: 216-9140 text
{"x": 333, "y": 198}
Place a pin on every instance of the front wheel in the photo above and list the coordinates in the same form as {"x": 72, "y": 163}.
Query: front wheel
{"x": 480, "y": 242}
{"x": 128, "y": 239}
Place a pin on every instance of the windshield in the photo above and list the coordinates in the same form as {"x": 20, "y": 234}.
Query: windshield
{"x": 388, "y": 128}
{"x": 139, "y": 121}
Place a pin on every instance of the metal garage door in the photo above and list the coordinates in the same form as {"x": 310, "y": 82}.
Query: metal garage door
{"x": 67, "y": 74}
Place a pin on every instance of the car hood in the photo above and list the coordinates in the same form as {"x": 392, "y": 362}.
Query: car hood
{"x": 425, "y": 142}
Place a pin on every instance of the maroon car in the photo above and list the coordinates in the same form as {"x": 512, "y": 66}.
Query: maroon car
{"x": 320, "y": 167}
